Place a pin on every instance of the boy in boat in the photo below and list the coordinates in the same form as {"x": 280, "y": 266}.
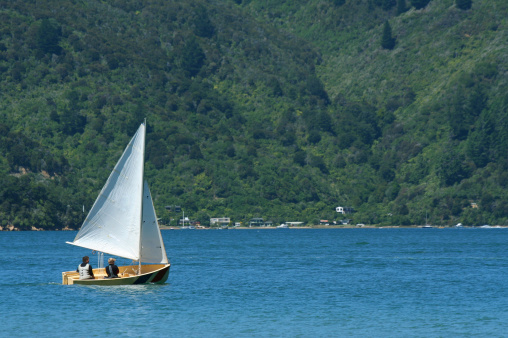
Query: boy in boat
{"x": 85, "y": 269}
{"x": 112, "y": 269}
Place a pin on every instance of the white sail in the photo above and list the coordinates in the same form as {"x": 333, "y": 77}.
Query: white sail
{"x": 152, "y": 246}
{"x": 113, "y": 224}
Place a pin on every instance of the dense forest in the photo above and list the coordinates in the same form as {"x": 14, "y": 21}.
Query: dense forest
{"x": 282, "y": 110}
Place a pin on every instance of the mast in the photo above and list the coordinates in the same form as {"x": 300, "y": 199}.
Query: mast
{"x": 142, "y": 195}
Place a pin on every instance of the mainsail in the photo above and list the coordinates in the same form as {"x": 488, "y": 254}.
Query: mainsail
{"x": 113, "y": 225}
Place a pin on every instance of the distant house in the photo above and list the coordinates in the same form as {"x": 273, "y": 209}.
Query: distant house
{"x": 293, "y": 224}
{"x": 344, "y": 210}
{"x": 268, "y": 224}
{"x": 324, "y": 222}
{"x": 256, "y": 222}
{"x": 220, "y": 221}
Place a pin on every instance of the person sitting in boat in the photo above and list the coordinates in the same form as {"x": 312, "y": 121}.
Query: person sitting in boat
{"x": 112, "y": 269}
{"x": 85, "y": 269}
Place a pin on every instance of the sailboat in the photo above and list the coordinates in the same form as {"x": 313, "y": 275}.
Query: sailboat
{"x": 122, "y": 222}
{"x": 427, "y": 225}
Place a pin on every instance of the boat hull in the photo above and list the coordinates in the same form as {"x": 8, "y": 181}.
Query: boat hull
{"x": 150, "y": 274}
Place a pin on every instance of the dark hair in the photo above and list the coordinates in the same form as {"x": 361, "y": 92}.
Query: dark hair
{"x": 85, "y": 259}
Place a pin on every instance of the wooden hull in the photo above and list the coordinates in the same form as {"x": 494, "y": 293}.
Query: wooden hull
{"x": 150, "y": 274}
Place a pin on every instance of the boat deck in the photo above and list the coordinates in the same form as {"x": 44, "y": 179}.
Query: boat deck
{"x": 150, "y": 273}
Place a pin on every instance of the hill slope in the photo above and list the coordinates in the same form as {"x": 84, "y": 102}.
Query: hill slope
{"x": 445, "y": 83}
{"x": 281, "y": 110}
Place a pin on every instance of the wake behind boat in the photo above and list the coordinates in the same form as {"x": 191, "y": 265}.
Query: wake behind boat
{"x": 122, "y": 222}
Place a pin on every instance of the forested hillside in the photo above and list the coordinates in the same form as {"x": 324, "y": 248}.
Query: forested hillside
{"x": 272, "y": 109}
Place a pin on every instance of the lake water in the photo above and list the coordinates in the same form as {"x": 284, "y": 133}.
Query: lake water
{"x": 270, "y": 283}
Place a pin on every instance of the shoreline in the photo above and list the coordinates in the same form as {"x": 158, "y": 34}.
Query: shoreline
{"x": 343, "y": 227}
{"x": 14, "y": 229}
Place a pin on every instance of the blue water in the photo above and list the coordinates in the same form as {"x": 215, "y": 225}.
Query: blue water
{"x": 270, "y": 283}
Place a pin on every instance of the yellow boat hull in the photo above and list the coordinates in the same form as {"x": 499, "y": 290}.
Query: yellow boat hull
{"x": 150, "y": 274}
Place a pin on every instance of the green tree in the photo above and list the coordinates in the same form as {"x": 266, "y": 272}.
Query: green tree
{"x": 467, "y": 103}
{"x": 388, "y": 4}
{"x": 318, "y": 162}
{"x": 316, "y": 88}
{"x": 48, "y": 37}
{"x": 419, "y": 4}
{"x": 71, "y": 122}
{"x": 387, "y": 41}
{"x": 195, "y": 152}
{"x": 193, "y": 57}
{"x": 324, "y": 122}
{"x": 478, "y": 143}
{"x": 452, "y": 168}
{"x": 157, "y": 153}
{"x": 202, "y": 25}
{"x": 17, "y": 71}
{"x": 230, "y": 151}
{"x": 314, "y": 137}
{"x": 401, "y": 6}
{"x": 299, "y": 157}
{"x": 464, "y": 4}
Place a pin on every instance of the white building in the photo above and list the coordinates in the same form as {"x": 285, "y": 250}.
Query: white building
{"x": 221, "y": 221}
{"x": 344, "y": 210}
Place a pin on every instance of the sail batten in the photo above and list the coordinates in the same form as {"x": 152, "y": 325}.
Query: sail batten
{"x": 114, "y": 223}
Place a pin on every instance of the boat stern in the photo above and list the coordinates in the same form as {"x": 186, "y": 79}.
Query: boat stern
{"x": 68, "y": 277}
